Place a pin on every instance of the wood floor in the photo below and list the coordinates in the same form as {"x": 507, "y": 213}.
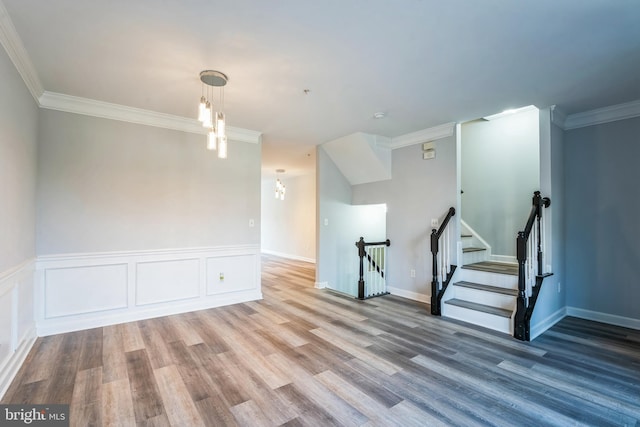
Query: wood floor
{"x": 304, "y": 356}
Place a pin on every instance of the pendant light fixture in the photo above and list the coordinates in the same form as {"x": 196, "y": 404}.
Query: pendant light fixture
{"x": 280, "y": 188}
{"x": 214, "y": 122}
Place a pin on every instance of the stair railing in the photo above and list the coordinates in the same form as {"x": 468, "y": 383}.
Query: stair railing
{"x": 442, "y": 269}
{"x": 376, "y": 257}
{"x": 529, "y": 250}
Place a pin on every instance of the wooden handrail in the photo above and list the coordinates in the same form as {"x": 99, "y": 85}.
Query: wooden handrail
{"x": 361, "y": 244}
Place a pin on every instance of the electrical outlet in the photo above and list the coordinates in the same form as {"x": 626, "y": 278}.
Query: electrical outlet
{"x": 326, "y": 221}
{"x": 434, "y": 222}
{"x": 413, "y": 273}
{"x": 252, "y": 223}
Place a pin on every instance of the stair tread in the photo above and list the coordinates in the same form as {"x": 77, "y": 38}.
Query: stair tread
{"x": 494, "y": 267}
{"x": 473, "y": 249}
{"x": 497, "y": 311}
{"x": 488, "y": 288}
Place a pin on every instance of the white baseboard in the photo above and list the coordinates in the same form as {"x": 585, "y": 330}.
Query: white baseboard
{"x": 321, "y": 285}
{"x": 409, "y": 294}
{"x": 91, "y": 320}
{"x": 10, "y": 368}
{"x": 539, "y": 328}
{"x": 289, "y": 256}
{"x": 611, "y": 319}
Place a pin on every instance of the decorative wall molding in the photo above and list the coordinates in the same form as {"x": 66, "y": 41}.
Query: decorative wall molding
{"x": 107, "y": 110}
{"x": 80, "y": 291}
{"x": 10, "y": 40}
{"x": 596, "y": 316}
{"x": 17, "y": 325}
{"x": 425, "y": 135}
{"x": 558, "y": 117}
{"x": 598, "y": 116}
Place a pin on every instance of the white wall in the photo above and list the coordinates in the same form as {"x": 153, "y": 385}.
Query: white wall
{"x": 18, "y": 143}
{"x": 137, "y": 221}
{"x": 418, "y": 191}
{"x": 105, "y": 185}
{"x": 288, "y": 227}
{"x": 500, "y": 172}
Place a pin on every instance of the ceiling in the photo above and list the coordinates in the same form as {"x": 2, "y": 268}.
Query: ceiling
{"x": 421, "y": 62}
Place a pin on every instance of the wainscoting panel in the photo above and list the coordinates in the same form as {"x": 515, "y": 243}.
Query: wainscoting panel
{"x": 230, "y": 273}
{"x": 17, "y": 325}
{"x": 81, "y": 291}
{"x": 6, "y": 330}
{"x": 77, "y": 290}
{"x": 164, "y": 281}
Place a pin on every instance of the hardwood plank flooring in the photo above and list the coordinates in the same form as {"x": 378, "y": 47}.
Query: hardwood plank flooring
{"x": 309, "y": 357}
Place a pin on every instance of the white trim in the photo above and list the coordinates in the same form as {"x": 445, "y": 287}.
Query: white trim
{"x": 611, "y": 319}
{"x": 289, "y": 256}
{"x": 475, "y": 234}
{"x": 425, "y": 135}
{"x": 540, "y": 327}
{"x": 598, "y": 116}
{"x": 558, "y": 117}
{"x": 9, "y": 370}
{"x": 10, "y": 40}
{"x": 13, "y": 272}
{"x": 240, "y": 265}
{"x": 78, "y": 323}
{"x": 409, "y": 294}
{"x": 321, "y": 285}
{"x": 107, "y": 110}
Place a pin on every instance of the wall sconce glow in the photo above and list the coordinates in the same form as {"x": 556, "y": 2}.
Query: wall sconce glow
{"x": 510, "y": 112}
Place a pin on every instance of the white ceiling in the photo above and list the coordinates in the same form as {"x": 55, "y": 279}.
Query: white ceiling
{"x": 422, "y": 62}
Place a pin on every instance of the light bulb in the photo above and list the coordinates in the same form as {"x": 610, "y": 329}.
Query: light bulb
{"x": 201, "y": 109}
{"x": 207, "y": 123}
{"x": 212, "y": 139}
{"x": 222, "y": 147}
{"x": 282, "y": 192}
{"x": 220, "y": 124}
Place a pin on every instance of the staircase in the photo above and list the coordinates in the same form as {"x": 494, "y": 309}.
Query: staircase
{"x": 485, "y": 295}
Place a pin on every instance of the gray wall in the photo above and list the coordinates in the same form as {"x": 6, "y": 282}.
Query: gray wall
{"x": 418, "y": 191}
{"x": 601, "y": 218}
{"x": 551, "y": 301}
{"x": 18, "y": 143}
{"x": 334, "y": 197}
{"x": 289, "y": 225}
{"x": 106, "y": 185}
{"x": 500, "y": 172}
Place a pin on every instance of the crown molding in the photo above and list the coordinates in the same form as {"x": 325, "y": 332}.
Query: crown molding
{"x": 430, "y": 134}
{"x": 107, "y": 110}
{"x": 598, "y": 116}
{"x": 10, "y": 40}
{"x": 558, "y": 117}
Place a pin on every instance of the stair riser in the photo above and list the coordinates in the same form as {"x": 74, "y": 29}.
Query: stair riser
{"x": 486, "y": 320}
{"x": 494, "y": 279}
{"x": 473, "y": 257}
{"x": 493, "y": 299}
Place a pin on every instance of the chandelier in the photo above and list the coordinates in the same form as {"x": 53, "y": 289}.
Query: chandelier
{"x": 280, "y": 188}
{"x": 213, "y": 121}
